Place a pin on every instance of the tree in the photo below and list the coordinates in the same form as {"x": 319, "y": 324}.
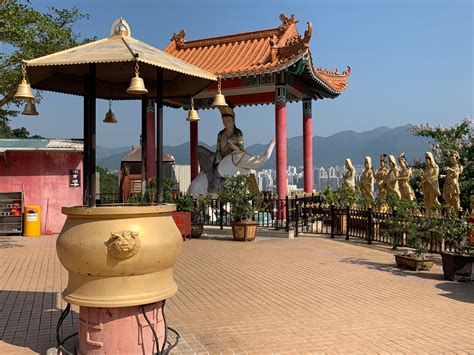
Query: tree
{"x": 27, "y": 33}
{"x": 108, "y": 181}
{"x": 460, "y": 138}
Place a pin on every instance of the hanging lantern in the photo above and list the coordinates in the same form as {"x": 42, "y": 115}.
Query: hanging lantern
{"x": 219, "y": 99}
{"x": 110, "y": 116}
{"x": 24, "y": 90}
{"x": 137, "y": 85}
{"x": 192, "y": 113}
{"x": 30, "y": 109}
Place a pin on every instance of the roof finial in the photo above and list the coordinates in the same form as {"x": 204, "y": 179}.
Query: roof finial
{"x": 120, "y": 27}
{"x": 286, "y": 22}
{"x": 179, "y": 38}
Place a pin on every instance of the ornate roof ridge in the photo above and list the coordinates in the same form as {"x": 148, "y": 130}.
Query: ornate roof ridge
{"x": 334, "y": 73}
{"x": 282, "y": 30}
{"x": 178, "y": 38}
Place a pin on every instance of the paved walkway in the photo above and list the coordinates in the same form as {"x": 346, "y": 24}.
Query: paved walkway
{"x": 273, "y": 295}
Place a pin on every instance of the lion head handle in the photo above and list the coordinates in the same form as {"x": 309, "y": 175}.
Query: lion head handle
{"x": 123, "y": 244}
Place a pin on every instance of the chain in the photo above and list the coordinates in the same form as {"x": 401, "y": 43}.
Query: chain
{"x": 219, "y": 84}
{"x": 23, "y": 70}
{"x": 136, "y": 67}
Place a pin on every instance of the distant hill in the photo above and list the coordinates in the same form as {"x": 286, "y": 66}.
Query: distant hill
{"x": 327, "y": 151}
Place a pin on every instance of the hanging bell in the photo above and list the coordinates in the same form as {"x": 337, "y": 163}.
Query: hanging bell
{"x": 219, "y": 101}
{"x": 110, "y": 117}
{"x": 24, "y": 91}
{"x": 30, "y": 109}
{"x": 192, "y": 115}
{"x": 137, "y": 86}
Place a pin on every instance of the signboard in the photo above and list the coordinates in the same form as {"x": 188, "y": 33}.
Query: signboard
{"x": 74, "y": 178}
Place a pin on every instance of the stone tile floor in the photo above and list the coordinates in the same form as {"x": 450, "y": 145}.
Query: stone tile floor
{"x": 273, "y": 295}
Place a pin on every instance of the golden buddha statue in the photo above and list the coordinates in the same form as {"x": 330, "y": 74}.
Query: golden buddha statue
{"x": 404, "y": 176}
{"x": 367, "y": 180}
{"x": 451, "y": 190}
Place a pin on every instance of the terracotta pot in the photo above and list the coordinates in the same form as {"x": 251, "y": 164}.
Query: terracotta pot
{"x": 244, "y": 231}
{"x": 413, "y": 262}
{"x": 119, "y": 256}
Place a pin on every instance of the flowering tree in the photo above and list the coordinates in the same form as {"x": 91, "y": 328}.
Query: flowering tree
{"x": 460, "y": 138}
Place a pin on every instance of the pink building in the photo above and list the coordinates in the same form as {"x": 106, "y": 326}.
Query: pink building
{"x": 47, "y": 171}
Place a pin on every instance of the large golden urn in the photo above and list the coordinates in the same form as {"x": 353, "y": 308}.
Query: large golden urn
{"x": 119, "y": 256}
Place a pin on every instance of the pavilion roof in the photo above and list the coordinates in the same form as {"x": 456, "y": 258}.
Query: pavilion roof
{"x": 259, "y": 52}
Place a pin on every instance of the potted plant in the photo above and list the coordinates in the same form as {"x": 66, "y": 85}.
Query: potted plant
{"x": 343, "y": 197}
{"x": 182, "y": 215}
{"x": 243, "y": 201}
{"x": 199, "y": 214}
{"x": 457, "y": 263}
{"x": 408, "y": 225}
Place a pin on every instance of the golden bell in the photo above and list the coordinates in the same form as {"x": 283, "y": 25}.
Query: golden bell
{"x": 30, "y": 109}
{"x": 24, "y": 91}
{"x": 110, "y": 117}
{"x": 219, "y": 101}
{"x": 192, "y": 115}
{"x": 137, "y": 86}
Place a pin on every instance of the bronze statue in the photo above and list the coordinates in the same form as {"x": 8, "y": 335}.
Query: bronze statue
{"x": 391, "y": 179}
{"x": 404, "y": 176}
{"x": 349, "y": 174}
{"x": 451, "y": 190}
{"x": 367, "y": 180}
{"x": 380, "y": 174}
{"x": 430, "y": 184}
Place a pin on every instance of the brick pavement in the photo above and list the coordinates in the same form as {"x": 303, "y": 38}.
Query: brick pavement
{"x": 273, "y": 295}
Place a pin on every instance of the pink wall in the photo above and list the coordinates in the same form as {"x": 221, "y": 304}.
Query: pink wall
{"x": 42, "y": 175}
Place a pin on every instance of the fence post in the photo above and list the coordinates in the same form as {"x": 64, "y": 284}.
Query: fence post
{"x": 287, "y": 214}
{"x": 221, "y": 213}
{"x": 333, "y": 221}
{"x": 296, "y": 215}
{"x": 370, "y": 224}
{"x": 348, "y": 217}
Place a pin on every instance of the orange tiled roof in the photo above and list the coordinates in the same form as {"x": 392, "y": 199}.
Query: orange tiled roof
{"x": 256, "y": 52}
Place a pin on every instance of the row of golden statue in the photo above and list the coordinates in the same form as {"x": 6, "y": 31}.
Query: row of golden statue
{"x": 397, "y": 180}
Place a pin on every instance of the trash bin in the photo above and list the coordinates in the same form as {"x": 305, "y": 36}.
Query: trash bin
{"x": 32, "y": 221}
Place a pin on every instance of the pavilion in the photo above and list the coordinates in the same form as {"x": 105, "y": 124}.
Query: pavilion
{"x": 272, "y": 66}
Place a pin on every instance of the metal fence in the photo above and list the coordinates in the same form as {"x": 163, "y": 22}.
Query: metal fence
{"x": 304, "y": 214}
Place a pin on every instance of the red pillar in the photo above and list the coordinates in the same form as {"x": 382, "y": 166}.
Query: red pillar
{"x": 307, "y": 146}
{"x": 193, "y": 143}
{"x": 150, "y": 142}
{"x": 280, "y": 127}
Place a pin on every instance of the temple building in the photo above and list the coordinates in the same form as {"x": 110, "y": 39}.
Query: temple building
{"x": 272, "y": 66}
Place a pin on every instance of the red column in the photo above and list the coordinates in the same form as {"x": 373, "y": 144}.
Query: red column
{"x": 193, "y": 143}
{"x": 280, "y": 128}
{"x": 150, "y": 142}
{"x": 307, "y": 146}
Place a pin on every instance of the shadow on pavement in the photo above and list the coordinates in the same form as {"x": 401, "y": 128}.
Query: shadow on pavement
{"x": 10, "y": 242}
{"x": 29, "y": 320}
{"x": 459, "y": 291}
{"x": 392, "y": 268}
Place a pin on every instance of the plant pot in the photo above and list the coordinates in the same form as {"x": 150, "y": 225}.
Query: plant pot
{"x": 244, "y": 231}
{"x": 457, "y": 266}
{"x": 196, "y": 230}
{"x": 414, "y": 262}
{"x": 183, "y": 222}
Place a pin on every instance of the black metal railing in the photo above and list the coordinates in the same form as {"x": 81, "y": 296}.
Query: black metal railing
{"x": 304, "y": 214}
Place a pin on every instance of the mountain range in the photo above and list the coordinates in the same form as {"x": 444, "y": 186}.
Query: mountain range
{"x": 327, "y": 151}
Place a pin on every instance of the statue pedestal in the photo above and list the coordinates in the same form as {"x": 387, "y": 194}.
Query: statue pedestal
{"x": 123, "y": 330}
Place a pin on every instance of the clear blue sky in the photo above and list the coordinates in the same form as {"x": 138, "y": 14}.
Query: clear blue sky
{"x": 412, "y": 62}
